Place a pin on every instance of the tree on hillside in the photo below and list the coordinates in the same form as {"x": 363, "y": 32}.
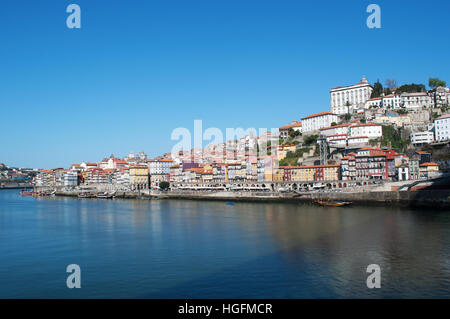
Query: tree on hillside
{"x": 411, "y": 88}
{"x": 377, "y": 89}
{"x": 435, "y": 82}
{"x": 311, "y": 139}
{"x": 293, "y": 133}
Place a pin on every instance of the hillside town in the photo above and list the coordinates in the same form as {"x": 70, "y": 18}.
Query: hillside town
{"x": 14, "y": 177}
{"x": 370, "y": 134}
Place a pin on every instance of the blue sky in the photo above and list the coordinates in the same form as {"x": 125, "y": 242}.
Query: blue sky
{"x": 138, "y": 69}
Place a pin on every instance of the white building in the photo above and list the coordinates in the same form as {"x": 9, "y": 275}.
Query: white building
{"x": 441, "y": 95}
{"x": 335, "y": 130}
{"x": 284, "y": 130}
{"x": 160, "y": 166}
{"x": 420, "y": 138}
{"x": 71, "y": 178}
{"x": 122, "y": 178}
{"x": 317, "y": 121}
{"x": 355, "y": 95}
{"x": 369, "y": 130}
{"x": 358, "y": 140}
{"x": 338, "y": 141}
{"x": 415, "y": 100}
{"x": 392, "y": 101}
{"x": 442, "y": 128}
{"x": 374, "y": 102}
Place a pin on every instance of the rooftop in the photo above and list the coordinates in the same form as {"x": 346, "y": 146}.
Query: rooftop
{"x": 318, "y": 114}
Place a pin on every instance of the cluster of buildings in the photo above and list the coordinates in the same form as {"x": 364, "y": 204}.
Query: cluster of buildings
{"x": 132, "y": 173}
{"x": 353, "y": 123}
{"x": 350, "y": 99}
{"x": 13, "y": 175}
{"x": 355, "y": 99}
{"x": 366, "y": 164}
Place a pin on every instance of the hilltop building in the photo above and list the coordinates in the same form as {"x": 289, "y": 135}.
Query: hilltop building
{"x": 317, "y": 121}
{"x": 344, "y": 99}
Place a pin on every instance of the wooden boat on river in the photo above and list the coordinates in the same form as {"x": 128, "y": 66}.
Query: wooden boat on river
{"x": 332, "y": 204}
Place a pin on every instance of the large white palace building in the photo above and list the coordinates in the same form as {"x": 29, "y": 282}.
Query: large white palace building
{"x": 354, "y": 95}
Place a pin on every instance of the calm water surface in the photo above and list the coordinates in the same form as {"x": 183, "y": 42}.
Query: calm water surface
{"x": 193, "y": 249}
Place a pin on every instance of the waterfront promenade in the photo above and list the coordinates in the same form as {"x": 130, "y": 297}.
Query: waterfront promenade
{"x": 426, "y": 193}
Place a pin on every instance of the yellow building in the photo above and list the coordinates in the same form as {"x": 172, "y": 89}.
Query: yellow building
{"x": 315, "y": 173}
{"x": 305, "y": 173}
{"x": 268, "y": 175}
{"x": 278, "y": 174}
{"x": 139, "y": 178}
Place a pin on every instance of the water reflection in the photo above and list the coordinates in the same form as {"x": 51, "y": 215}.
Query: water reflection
{"x": 193, "y": 249}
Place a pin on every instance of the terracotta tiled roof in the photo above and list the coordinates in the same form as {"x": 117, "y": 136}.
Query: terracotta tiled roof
{"x": 429, "y": 164}
{"x": 286, "y": 127}
{"x": 318, "y": 114}
{"x": 336, "y": 126}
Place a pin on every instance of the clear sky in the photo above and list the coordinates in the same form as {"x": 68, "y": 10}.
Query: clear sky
{"x": 138, "y": 69}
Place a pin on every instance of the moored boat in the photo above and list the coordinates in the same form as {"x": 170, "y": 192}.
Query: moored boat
{"x": 104, "y": 195}
{"x": 332, "y": 204}
{"x": 26, "y": 193}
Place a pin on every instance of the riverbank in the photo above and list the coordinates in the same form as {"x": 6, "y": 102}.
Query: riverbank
{"x": 435, "y": 198}
{"x": 16, "y": 186}
{"x": 420, "y": 198}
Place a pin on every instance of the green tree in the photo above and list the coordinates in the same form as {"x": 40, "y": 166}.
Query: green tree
{"x": 164, "y": 185}
{"x": 411, "y": 88}
{"x": 377, "y": 89}
{"x": 435, "y": 82}
{"x": 333, "y": 124}
{"x": 311, "y": 139}
{"x": 392, "y": 138}
{"x": 293, "y": 133}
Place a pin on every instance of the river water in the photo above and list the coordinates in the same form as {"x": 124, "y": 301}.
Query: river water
{"x": 202, "y": 249}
